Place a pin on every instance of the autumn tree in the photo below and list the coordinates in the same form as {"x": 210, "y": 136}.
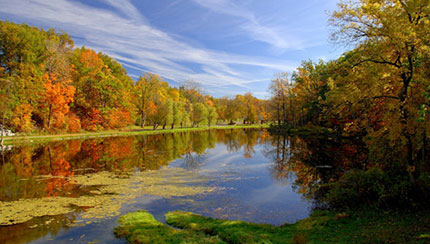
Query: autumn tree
{"x": 101, "y": 85}
{"x": 56, "y": 98}
{"x": 232, "y": 111}
{"x": 144, "y": 89}
{"x": 393, "y": 35}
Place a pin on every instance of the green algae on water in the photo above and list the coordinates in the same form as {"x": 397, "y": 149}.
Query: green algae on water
{"x": 110, "y": 193}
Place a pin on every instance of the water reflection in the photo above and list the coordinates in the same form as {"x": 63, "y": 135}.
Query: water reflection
{"x": 236, "y": 174}
{"x": 19, "y": 174}
{"x": 308, "y": 162}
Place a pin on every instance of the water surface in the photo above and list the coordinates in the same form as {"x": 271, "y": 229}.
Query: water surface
{"x": 73, "y": 191}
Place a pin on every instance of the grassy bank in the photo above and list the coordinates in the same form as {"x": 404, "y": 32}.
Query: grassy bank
{"x": 300, "y": 130}
{"x": 320, "y": 227}
{"x": 125, "y": 132}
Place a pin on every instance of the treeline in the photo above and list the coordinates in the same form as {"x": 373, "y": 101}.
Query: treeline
{"x": 46, "y": 84}
{"x": 379, "y": 91}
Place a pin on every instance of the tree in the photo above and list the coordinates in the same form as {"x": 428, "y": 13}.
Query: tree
{"x": 178, "y": 113}
{"x": 279, "y": 89}
{"x": 144, "y": 88}
{"x": 250, "y": 108}
{"x": 212, "y": 115}
{"x": 393, "y": 34}
{"x": 165, "y": 112}
{"x": 56, "y": 98}
{"x": 101, "y": 86}
{"x": 232, "y": 112}
{"x": 200, "y": 114}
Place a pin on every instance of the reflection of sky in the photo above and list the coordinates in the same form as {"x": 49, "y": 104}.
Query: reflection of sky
{"x": 251, "y": 193}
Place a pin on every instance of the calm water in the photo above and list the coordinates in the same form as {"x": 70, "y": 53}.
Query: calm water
{"x": 73, "y": 191}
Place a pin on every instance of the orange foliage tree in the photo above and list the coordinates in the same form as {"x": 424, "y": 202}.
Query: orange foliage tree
{"x": 56, "y": 99}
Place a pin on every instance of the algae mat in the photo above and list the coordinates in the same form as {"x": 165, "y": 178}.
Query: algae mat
{"x": 110, "y": 192}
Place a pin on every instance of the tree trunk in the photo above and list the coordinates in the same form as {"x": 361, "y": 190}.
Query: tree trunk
{"x": 142, "y": 120}
{"x": 49, "y": 116}
{"x": 2, "y": 131}
{"x": 2, "y": 139}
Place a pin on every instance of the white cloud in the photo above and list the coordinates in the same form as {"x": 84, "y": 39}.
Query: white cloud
{"x": 131, "y": 39}
{"x": 252, "y": 25}
{"x": 126, "y": 8}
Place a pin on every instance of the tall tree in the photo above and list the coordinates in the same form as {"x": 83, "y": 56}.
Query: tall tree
{"x": 392, "y": 33}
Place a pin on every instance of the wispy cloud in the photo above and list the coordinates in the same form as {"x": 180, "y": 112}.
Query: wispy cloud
{"x": 128, "y": 37}
{"x": 252, "y": 25}
{"x": 125, "y": 7}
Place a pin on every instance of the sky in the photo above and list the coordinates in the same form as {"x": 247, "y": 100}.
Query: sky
{"x": 228, "y": 46}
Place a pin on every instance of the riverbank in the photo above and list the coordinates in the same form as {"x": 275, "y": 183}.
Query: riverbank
{"x": 369, "y": 226}
{"x": 11, "y": 140}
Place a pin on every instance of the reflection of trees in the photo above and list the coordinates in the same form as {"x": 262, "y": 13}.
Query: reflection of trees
{"x": 235, "y": 140}
{"x": 314, "y": 160}
{"x": 192, "y": 161}
{"x": 19, "y": 174}
{"x": 25, "y": 232}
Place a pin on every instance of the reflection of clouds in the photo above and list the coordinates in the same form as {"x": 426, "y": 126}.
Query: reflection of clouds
{"x": 221, "y": 160}
{"x": 269, "y": 194}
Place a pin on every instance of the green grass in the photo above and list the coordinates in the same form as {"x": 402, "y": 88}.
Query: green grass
{"x": 321, "y": 227}
{"x": 30, "y": 138}
{"x": 141, "y": 227}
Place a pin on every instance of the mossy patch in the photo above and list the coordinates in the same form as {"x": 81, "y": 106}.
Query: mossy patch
{"x": 321, "y": 227}
{"x": 141, "y": 227}
{"x": 229, "y": 231}
{"x": 110, "y": 193}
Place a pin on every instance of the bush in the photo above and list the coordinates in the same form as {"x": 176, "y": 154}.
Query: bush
{"x": 374, "y": 187}
{"x": 355, "y": 188}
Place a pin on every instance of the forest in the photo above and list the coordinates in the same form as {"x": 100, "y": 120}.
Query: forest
{"x": 47, "y": 85}
{"x": 377, "y": 93}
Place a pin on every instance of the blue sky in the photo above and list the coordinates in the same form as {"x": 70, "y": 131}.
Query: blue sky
{"x": 228, "y": 46}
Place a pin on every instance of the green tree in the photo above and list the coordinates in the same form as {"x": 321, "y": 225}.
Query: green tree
{"x": 212, "y": 115}
{"x": 200, "y": 114}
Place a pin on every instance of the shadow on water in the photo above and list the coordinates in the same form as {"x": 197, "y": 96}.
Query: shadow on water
{"x": 311, "y": 161}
